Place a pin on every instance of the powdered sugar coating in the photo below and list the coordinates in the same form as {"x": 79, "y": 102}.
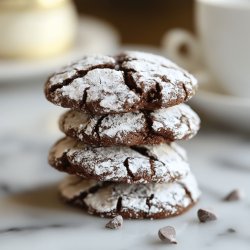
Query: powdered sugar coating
{"x": 103, "y": 85}
{"x": 166, "y": 124}
{"x": 84, "y": 64}
{"x": 133, "y": 201}
{"x": 126, "y": 82}
{"x": 60, "y": 77}
{"x": 181, "y": 120}
{"x": 116, "y": 126}
{"x": 148, "y": 71}
{"x": 161, "y": 163}
{"x": 87, "y": 62}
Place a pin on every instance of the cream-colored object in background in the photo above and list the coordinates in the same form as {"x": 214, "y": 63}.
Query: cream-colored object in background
{"x": 36, "y": 28}
{"x": 93, "y": 37}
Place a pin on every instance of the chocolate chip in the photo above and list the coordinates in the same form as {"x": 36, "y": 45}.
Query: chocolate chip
{"x": 115, "y": 223}
{"x": 234, "y": 195}
{"x": 167, "y": 234}
{"x": 205, "y": 215}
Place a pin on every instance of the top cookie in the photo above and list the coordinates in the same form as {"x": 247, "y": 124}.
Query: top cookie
{"x": 122, "y": 83}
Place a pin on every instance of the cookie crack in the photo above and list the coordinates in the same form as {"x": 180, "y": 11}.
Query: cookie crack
{"x": 127, "y": 74}
{"x": 186, "y": 92}
{"x": 59, "y": 85}
{"x": 154, "y": 95}
{"x": 149, "y": 123}
{"x": 78, "y": 74}
{"x": 79, "y": 199}
{"x": 130, "y": 82}
{"x": 63, "y": 161}
{"x": 92, "y": 190}
{"x": 97, "y": 126}
{"x": 189, "y": 194}
{"x": 145, "y": 152}
{"x": 119, "y": 204}
{"x": 84, "y": 97}
{"x": 152, "y": 158}
{"x": 126, "y": 164}
{"x": 124, "y": 58}
{"x": 151, "y": 197}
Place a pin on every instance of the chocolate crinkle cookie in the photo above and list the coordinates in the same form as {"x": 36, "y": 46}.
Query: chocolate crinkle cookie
{"x": 126, "y": 112}
{"x": 135, "y": 201}
{"x": 126, "y": 82}
{"x": 135, "y": 128}
{"x": 137, "y": 164}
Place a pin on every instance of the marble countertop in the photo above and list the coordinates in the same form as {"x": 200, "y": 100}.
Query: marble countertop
{"x": 32, "y": 217}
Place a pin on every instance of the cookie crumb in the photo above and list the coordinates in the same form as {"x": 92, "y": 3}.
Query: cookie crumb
{"x": 234, "y": 195}
{"x": 115, "y": 223}
{"x": 168, "y": 235}
{"x": 205, "y": 215}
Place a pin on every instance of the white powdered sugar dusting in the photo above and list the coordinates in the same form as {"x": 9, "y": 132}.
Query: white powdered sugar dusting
{"x": 102, "y": 199}
{"x": 148, "y": 57}
{"x": 105, "y": 86}
{"x": 108, "y": 87}
{"x": 139, "y": 166}
{"x": 101, "y": 79}
{"x": 59, "y": 78}
{"x": 192, "y": 186}
{"x": 117, "y": 163}
{"x": 75, "y": 90}
{"x": 84, "y": 64}
{"x": 89, "y": 62}
{"x": 121, "y": 124}
{"x": 171, "y": 157}
{"x": 136, "y": 197}
{"x": 177, "y": 122}
{"x": 147, "y": 73}
{"x": 150, "y": 69}
{"x": 135, "y": 180}
{"x": 108, "y": 162}
{"x": 181, "y": 120}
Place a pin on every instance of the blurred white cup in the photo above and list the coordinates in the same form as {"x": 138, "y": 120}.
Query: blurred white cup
{"x": 223, "y": 45}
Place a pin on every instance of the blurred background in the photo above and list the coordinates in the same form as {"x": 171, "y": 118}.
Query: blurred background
{"x": 141, "y": 21}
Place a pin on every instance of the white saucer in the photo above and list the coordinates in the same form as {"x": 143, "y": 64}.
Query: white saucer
{"x": 229, "y": 111}
{"x": 94, "y": 36}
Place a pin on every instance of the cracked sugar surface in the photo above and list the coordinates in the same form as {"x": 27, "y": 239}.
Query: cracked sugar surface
{"x": 160, "y": 163}
{"x": 123, "y": 83}
{"x": 136, "y": 128}
{"x": 131, "y": 201}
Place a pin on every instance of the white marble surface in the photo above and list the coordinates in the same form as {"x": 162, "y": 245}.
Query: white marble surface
{"x": 32, "y": 217}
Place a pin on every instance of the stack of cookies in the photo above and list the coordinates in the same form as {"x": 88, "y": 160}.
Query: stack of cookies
{"x": 125, "y": 112}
